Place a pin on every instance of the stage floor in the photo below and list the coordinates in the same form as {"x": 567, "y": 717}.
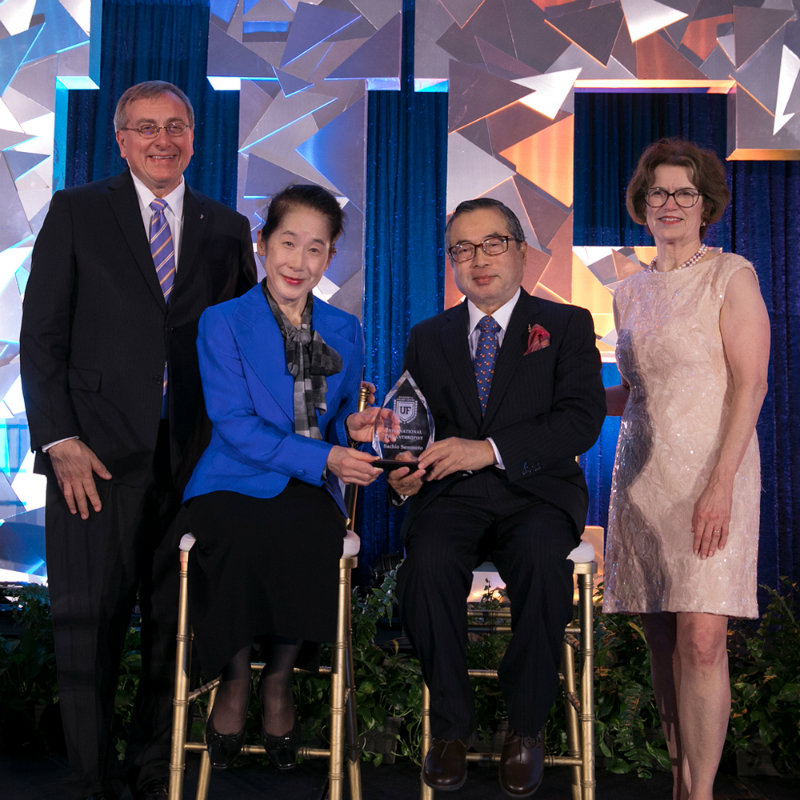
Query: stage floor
{"x": 25, "y": 778}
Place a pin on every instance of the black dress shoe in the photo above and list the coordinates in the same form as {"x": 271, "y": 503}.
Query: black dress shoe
{"x": 156, "y": 789}
{"x": 445, "y": 766}
{"x": 223, "y": 747}
{"x": 282, "y": 750}
{"x": 522, "y": 764}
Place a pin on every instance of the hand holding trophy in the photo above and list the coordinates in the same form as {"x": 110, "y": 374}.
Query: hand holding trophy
{"x": 411, "y": 428}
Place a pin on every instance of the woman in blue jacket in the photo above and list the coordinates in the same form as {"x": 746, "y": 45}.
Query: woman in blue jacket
{"x": 281, "y": 372}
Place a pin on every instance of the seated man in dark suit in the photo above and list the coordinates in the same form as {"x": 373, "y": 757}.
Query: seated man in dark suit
{"x": 514, "y": 386}
{"x": 121, "y": 271}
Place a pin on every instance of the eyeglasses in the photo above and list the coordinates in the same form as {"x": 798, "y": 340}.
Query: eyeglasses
{"x": 685, "y": 198}
{"x": 491, "y": 246}
{"x": 150, "y": 131}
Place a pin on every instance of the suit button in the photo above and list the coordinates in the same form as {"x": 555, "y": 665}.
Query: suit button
{"x": 300, "y": 473}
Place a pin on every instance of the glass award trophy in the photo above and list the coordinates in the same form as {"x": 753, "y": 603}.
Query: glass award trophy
{"x": 412, "y": 424}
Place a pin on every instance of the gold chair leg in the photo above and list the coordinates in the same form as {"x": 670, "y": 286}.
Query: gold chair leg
{"x": 586, "y": 616}
{"x": 204, "y": 774}
{"x": 425, "y": 793}
{"x": 180, "y": 703}
{"x": 338, "y": 688}
{"x": 571, "y": 715}
{"x": 352, "y": 747}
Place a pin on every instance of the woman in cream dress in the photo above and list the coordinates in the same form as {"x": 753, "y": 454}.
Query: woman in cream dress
{"x": 692, "y": 349}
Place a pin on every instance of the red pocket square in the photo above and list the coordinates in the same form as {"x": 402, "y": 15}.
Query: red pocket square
{"x": 538, "y": 338}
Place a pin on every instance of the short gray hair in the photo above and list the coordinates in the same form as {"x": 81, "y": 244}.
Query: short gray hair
{"x": 148, "y": 90}
{"x": 512, "y": 222}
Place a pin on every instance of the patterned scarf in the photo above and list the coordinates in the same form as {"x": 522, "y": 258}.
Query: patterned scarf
{"x": 308, "y": 360}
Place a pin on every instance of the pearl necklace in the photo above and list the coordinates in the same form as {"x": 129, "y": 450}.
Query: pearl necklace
{"x": 688, "y": 263}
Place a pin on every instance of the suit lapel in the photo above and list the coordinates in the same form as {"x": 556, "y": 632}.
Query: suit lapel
{"x": 511, "y": 352}
{"x": 125, "y": 207}
{"x": 194, "y": 225}
{"x": 261, "y": 345}
{"x": 454, "y": 341}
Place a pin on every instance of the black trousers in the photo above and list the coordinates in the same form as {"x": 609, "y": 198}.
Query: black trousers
{"x": 95, "y": 569}
{"x": 483, "y": 516}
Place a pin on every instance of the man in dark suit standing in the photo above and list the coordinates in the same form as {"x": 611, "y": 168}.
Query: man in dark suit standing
{"x": 514, "y": 386}
{"x": 120, "y": 273}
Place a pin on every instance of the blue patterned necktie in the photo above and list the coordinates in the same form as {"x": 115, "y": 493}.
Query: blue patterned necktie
{"x": 485, "y": 358}
{"x": 162, "y": 247}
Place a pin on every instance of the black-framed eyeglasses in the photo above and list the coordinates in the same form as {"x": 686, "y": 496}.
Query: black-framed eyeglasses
{"x": 491, "y": 246}
{"x": 175, "y": 129}
{"x": 685, "y": 198}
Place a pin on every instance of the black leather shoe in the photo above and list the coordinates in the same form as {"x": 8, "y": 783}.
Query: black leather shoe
{"x": 445, "y": 766}
{"x": 522, "y": 764}
{"x": 282, "y": 750}
{"x": 156, "y": 789}
{"x": 223, "y": 747}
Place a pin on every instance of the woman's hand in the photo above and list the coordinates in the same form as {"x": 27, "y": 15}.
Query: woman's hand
{"x": 352, "y": 466}
{"x": 617, "y": 398}
{"x": 370, "y": 389}
{"x": 712, "y": 517}
{"x": 360, "y": 426}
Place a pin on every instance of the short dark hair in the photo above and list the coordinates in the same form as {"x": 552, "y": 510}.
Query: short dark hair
{"x": 146, "y": 91}
{"x": 308, "y": 195}
{"x": 513, "y": 224}
{"x": 705, "y": 169}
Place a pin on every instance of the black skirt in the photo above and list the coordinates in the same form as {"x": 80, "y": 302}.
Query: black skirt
{"x": 263, "y": 567}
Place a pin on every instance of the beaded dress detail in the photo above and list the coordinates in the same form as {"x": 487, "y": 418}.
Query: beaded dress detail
{"x": 669, "y": 349}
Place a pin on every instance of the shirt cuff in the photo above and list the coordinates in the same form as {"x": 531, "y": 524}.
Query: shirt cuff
{"x": 498, "y": 461}
{"x": 46, "y": 447}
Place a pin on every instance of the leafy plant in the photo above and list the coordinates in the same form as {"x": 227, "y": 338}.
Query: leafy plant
{"x": 29, "y": 715}
{"x": 628, "y": 728}
{"x": 388, "y": 682}
{"x": 485, "y": 651}
{"x": 765, "y": 680}
{"x": 27, "y": 670}
{"x": 765, "y": 683}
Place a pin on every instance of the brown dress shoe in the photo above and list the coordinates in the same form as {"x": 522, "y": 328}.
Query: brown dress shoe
{"x": 522, "y": 764}
{"x": 445, "y": 766}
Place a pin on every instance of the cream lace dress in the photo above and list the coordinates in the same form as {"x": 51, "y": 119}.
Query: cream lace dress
{"x": 669, "y": 349}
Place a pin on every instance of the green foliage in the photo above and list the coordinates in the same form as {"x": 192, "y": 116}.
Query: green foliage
{"x": 388, "y": 682}
{"x": 485, "y": 651}
{"x": 764, "y": 659}
{"x": 28, "y": 689}
{"x": 27, "y": 671}
{"x": 765, "y": 680}
{"x": 628, "y": 728}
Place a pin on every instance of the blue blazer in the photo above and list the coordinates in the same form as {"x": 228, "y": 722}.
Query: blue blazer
{"x": 248, "y": 394}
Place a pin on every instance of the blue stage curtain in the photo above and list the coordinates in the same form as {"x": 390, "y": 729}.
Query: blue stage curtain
{"x": 611, "y": 130}
{"x": 405, "y": 259}
{"x": 155, "y": 40}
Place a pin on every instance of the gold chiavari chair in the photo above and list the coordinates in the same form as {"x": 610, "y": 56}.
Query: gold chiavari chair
{"x": 578, "y": 687}
{"x": 344, "y": 749}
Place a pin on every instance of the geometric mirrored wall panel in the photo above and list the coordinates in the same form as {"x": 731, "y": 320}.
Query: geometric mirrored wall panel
{"x": 44, "y": 51}
{"x": 303, "y": 70}
{"x": 511, "y": 68}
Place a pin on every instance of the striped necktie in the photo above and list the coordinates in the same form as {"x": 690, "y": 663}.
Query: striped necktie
{"x": 162, "y": 247}
{"x": 485, "y": 358}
